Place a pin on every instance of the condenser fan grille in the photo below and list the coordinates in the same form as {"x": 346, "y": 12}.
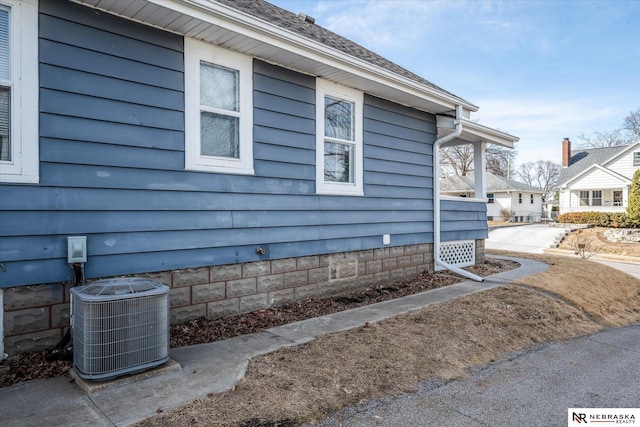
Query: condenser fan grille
{"x": 115, "y": 332}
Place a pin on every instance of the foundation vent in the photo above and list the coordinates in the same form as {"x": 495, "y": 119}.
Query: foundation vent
{"x": 461, "y": 253}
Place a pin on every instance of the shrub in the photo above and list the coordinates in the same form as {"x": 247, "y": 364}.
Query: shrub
{"x": 506, "y": 214}
{"x": 599, "y": 219}
{"x": 633, "y": 210}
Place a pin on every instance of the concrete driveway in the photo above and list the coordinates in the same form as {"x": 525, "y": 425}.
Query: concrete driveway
{"x": 533, "y": 238}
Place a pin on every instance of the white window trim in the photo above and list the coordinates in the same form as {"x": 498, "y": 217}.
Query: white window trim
{"x": 24, "y": 165}
{"x": 633, "y": 159}
{"x": 194, "y": 52}
{"x": 324, "y": 87}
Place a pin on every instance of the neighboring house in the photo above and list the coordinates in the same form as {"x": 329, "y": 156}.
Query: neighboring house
{"x": 597, "y": 179}
{"x": 524, "y": 201}
{"x": 237, "y": 152}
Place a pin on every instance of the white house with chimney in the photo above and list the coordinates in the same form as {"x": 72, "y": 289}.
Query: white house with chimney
{"x": 597, "y": 179}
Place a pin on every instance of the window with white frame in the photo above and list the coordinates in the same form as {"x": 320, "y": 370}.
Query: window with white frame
{"x": 584, "y": 198}
{"x": 218, "y": 109}
{"x": 339, "y": 156}
{"x": 19, "y": 160}
{"x": 490, "y": 198}
{"x": 617, "y": 197}
{"x": 596, "y": 198}
{"x": 636, "y": 158}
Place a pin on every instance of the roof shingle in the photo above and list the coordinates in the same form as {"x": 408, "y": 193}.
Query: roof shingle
{"x": 292, "y": 22}
{"x": 583, "y": 159}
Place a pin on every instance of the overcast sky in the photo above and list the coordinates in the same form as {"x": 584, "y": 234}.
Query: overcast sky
{"x": 540, "y": 70}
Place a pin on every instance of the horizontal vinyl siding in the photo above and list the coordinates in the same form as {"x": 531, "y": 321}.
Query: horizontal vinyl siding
{"x": 596, "y": 180}
{"x": 112, "y": 165}
{"x": 463, "y": 220}
{"x": 111, "y": 129}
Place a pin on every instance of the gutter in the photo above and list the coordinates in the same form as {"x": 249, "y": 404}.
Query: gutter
{"x": 436, "y": 200}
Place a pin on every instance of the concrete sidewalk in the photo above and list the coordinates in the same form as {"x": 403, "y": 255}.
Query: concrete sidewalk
{"x": 205, "y": 368}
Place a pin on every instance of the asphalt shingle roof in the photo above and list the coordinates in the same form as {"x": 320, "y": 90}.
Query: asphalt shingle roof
{"x": 290, "y": 21}
{"x": 583, "y": 159}
{"x": 495, "y": 183}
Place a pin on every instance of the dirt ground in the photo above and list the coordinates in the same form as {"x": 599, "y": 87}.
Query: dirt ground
{"x": 29, "y": 366}
{"x": 574, "y": 297}
{"x": 594, "y": 238}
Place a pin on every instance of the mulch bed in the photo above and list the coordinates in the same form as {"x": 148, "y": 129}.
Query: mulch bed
{"x": 29, "y": 366}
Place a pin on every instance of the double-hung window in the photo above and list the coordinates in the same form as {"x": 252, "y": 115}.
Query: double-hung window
{"x": 490, "y": 198}
{"x": 339, "y": 157}
{"x": 596, "y": 198}
{"x": 19, "y": 91}
{"x": 584, "y": 198}
{"x": 636, "y": 158}
{"x": 218, "y": 109}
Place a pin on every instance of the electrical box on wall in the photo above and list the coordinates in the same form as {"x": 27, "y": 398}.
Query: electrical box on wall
{"x": 76, "y": 249}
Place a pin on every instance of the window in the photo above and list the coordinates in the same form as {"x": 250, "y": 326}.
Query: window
{"x": 596, "y": 198}
{"x": 520, "y": 198}
{"x": 218, "y": 110}
{"x": 338, "y": 139}
{"x": 532, "y": 199}
{"x": 584, "y": 198}
{"x": 636, "y": 158}
{"x": 490, "y": 198}
{"x": 19, "y": 91}
{"x": 617, "y": 198}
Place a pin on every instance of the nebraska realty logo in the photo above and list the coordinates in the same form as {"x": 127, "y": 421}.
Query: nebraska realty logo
{"x": 599, "y": 416}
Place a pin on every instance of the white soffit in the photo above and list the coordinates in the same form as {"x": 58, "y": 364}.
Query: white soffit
{"x": 222, "y": 25}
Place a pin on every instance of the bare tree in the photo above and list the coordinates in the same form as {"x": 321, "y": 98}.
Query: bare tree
{"x": 632, "y": 123}
{"x": 627, "y": 134}
{"x": 542, "y": 174}
{"x": 501, "y": 161}
{"x": 611, "y": 138}
{"x": 458, "y": 160}
{"x": 527, "y": 173}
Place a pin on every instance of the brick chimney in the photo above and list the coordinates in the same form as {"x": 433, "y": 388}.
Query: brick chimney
{"x": 566, "y": 152}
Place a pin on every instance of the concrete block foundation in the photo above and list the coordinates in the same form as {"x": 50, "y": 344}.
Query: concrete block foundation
{"x": 36, "y": 317}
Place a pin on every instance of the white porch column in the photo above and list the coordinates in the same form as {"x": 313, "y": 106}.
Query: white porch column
{"x": 479, "y": 169}
{"x": 625, "y": 196}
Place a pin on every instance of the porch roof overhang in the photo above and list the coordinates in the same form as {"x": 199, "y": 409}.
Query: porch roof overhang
{"x": 225, "y": 26}
{"x": 473, "y": 132}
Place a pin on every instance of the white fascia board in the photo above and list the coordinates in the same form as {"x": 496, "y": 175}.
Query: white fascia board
{"x": 488, "y": 134}
{"x": 248, "y": 25}
{"x": 462, "y": 199}
{"x": 622, "y": 178}
{"x": 473, "y": 132}
{"x": 630, "y": 148}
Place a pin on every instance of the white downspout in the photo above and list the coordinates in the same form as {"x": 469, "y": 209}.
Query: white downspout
{"x": 436, "y": 200}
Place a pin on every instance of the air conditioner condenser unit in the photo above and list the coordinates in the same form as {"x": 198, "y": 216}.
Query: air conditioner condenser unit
{"x": 120, "y": 326}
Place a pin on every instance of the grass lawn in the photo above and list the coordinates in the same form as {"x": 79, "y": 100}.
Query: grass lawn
{"x": 573, "y": 298}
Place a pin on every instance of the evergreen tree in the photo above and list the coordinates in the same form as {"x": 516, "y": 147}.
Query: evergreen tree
{"x": 633, "y": 210}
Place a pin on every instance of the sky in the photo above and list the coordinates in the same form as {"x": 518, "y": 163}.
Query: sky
{"x": 539, "y": 70}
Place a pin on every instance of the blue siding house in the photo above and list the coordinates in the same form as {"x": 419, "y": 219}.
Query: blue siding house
{"x": 239, "y": 153}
